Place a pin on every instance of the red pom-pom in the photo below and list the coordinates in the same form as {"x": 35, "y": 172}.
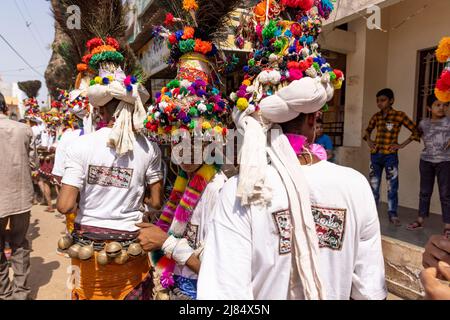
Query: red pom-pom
{"x": 94, "y": 43}
{"x": 170, "y": 20}
{"x": 296, "y": 30}
{"x": 173, "y": 39}
{"x": 443, "y": 84}
{"x": 113, "y": 43}
{"x": 87, "y": 58}
{"x": 305, "y": 5}
{"x": 293, "y": 65}
{"x": 339, "y": 74}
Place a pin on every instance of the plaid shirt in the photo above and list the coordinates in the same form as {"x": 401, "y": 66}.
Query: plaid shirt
{"x": 388, "y": 128}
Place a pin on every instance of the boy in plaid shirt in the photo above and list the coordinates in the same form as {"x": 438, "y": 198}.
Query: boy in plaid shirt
{"x": 384, "y": 149}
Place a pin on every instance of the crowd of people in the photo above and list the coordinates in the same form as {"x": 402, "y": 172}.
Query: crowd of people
{"x": 274, "y": 231}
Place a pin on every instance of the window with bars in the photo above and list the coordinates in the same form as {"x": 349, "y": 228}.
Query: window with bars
{"x": 429, "y": 72}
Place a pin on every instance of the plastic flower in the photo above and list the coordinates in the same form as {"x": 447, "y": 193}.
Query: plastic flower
{"x": 170, "y": 20}
{"x": 202, "y": 46}
{"x": 188, "y": 33}
{"x": 189, "y": 5}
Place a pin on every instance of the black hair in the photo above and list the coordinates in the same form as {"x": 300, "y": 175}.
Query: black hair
{"x": 288, "y": 127}
{"x": 431, "y": 99}
{"x": 3, "y": 106}
{"x": 319, "y": 120}
{"x": 386, "y": 93}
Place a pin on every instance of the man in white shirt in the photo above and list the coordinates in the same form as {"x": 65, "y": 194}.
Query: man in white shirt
{"x": 110, "y": 171}
{"x": 249, "y": 252}
{"x": 281, "y": 230}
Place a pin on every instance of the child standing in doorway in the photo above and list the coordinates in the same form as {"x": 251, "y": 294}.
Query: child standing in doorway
{"x": 434, "y": 162}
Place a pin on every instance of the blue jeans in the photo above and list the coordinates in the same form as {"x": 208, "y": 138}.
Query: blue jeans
{"x": 388, "y": 162}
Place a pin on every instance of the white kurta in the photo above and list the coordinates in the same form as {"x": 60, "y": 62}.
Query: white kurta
{"x": 248, "y": 251}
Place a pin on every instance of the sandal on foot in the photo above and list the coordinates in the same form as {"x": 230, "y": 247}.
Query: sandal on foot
{"x": 395, "y": 221}
{"x": 416, "y": 225}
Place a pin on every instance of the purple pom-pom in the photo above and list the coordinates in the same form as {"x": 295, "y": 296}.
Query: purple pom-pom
{"x": 129, "y": 88}
{"x": 158, "y": 95}
{"x": 133, "y": 80}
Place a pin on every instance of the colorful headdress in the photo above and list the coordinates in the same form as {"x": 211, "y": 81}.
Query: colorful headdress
{"x": 442, "y": 89}
{"x": 112, "y": 83}
{"x": 192, "y": 102}
{"x": 287, "y": 54}
{"x": 32, "y": 109}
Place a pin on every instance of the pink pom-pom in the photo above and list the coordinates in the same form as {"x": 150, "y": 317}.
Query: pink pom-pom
{"x": 167, "y": 280}
{"x": 295, "y": 74}
{"x": 259, "y": 30}
{"x": 127, "y": 81}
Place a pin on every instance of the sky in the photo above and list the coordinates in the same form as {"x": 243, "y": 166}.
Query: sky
{"x": 32, "y": 42}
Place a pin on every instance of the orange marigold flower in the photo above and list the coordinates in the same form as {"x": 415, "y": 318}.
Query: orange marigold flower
{"x": 203, "y": 47}
{"x": 188, "y": 33}
{"x": 190, "y": 5}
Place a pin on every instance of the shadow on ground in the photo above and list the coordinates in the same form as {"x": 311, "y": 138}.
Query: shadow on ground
{"x": 41, "y": 274}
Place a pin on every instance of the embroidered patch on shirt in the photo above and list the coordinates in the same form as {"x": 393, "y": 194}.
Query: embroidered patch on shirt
{"x": 191, "y": 235}
{"x": 110, "y": 176}
{"x": 284, "y": 225}
{"x": 330, "y": 226}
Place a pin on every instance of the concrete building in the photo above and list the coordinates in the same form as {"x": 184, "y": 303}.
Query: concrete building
{"x": 379, "y": 43}
{"x": 400, "y": 55}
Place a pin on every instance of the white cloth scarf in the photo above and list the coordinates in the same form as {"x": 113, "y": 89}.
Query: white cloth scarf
{"x": 130, "y": 113}
{"x": 253, "y": 191}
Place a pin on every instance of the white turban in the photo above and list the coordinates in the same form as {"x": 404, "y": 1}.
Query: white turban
{"x": 130, "y": 113}
{"x": 306, "y": 95}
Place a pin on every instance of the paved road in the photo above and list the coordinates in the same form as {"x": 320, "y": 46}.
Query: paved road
{"x": 48, "y": 269}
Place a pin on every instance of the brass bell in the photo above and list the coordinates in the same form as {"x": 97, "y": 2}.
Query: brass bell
{"x": 102, "y": 258}
{"x": 134, "y": 250}
{"x": 65, "y": 242}
{"x": 86, "y": 253}
{"x": 73, "y": 251}
{"x": 113, "y": 249}
{"x": 122, "y": 258}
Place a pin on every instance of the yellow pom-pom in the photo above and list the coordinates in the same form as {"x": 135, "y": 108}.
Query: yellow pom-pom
{"x": 443, "y": 50}
{"x": 206, "y": 125}
{"x": 443, "y": 96}
{"x": 338, "y": 84}
{"x": 246, "y": 82}
{"x": 98, "y": 80}
{"x": 111, "y": 78}
{"x": 218, "y": 129}
{"x": 160, "y": 131}
{"x": 242, "y": 104}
